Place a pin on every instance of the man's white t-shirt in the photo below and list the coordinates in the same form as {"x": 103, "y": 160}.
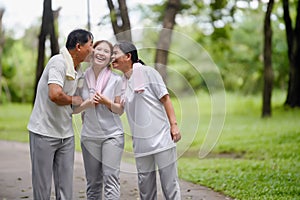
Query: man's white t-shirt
{"x": 146, "y": 115}
{"x": 99, "y": 121}
{"x": 48, "y": 118}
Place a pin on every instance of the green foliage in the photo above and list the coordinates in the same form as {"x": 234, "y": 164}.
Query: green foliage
{"x": 237, "y": 51}
{"x": 235, "y": 45}
{"x": 236, "y": 48}
{"x": 218, "y": 5}
{"x": 18, "y": 61}
{"x": 8, "y": 69}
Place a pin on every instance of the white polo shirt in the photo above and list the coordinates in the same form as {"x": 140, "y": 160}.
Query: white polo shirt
{"x": 146, "y": 115}
{"x": 48, "y": 118}
{"x": 99, "y": 121}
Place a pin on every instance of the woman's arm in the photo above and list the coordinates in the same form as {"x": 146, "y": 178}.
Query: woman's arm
{"x": 87, "y": 103}
{"x": 166, "y": 101}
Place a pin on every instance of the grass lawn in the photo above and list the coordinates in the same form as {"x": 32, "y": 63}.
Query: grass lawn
{"x": 252, "y": 158}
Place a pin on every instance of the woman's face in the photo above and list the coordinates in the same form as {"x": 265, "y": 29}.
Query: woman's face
{"x": 102, "y": 54}
{"x": 119, "y": 60}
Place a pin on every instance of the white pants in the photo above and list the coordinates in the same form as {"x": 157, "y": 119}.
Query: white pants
{"x": 167, "y": 168}
{"x": 102, "y": 160}
{"x": 52, "y": 155}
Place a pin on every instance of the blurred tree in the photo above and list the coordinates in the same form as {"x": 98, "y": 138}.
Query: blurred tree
{"x": 120, "y": 20}
{"x": 293, "y": 42}
{"x": 268, "y": 70}
{"x": 9, "y": 57}
{"x": 164, "y": 41}
{"x": 227, "y": 30}
{"x": 88, "y": 16}
{"x": 47, "y": 28}
{"x": 1, "y": 50}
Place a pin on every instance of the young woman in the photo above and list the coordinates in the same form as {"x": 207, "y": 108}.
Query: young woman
{"x": 102, "y": 136}
{"x": 152, "y": 122}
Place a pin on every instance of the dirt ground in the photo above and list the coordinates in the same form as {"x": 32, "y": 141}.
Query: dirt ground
{"x": 15, "y": 178}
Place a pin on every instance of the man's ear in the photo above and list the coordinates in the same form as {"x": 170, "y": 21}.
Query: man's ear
{"x": 78, "y": 46}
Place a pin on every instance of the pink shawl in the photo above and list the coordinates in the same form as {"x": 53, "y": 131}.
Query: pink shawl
{"x": 101, "y": 82}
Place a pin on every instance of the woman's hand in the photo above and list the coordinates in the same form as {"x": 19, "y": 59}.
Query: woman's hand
{"x": 86, "y": 104}
{"x": 114, "y": 106}
{"x": 175, "y": 133}
{"x": 99, "y": 98}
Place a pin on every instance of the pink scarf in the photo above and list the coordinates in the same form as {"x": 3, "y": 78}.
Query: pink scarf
{"x": 139, "y": 81}
{"x": 101, "y": 82}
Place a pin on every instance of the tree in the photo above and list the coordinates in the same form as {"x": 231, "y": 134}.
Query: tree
{"x": 1, "y": 49}
{"x": 120, "y": 20}
{"x": 88, "y": 16}
{"x": 164, "y": 41}
{"x": 293, "y": 42}
{"x": 268, "y": 70}
{"x": 47, "y": 28}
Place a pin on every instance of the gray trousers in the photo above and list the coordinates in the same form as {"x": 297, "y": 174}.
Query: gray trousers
{"x": 167, "y": 168}
{"x": 52, "y": 155}
{"x": 102, "y": 160}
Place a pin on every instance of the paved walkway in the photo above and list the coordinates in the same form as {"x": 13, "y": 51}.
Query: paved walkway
{"x": 15, "y": 178}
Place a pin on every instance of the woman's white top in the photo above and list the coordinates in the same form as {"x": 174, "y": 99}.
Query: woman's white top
{"x": 99, "y": 121}
{"x": 146, "y": 115}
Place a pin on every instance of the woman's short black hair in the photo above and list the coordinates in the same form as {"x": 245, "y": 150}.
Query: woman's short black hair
{"x": 80, "y": 36}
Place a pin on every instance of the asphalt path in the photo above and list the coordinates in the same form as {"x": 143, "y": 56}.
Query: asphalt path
{"x": 15, "y": 178}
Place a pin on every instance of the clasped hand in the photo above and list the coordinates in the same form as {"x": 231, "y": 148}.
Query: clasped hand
{"x": 99, "y": 98}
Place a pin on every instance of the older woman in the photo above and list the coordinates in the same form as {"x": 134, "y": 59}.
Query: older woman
{"x": 152, "y": 122}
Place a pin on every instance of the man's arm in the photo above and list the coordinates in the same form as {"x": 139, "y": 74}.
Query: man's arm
{"x": 57, "y": 95}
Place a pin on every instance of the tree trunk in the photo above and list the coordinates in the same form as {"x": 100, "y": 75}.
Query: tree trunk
{"x": 163, "y": 45}
{"x": 53, "y": 31}
{"x": 120, "y": 20}
{"x": 1, "y": 51}
{"x": 88, "y": 16}
{"x": 268, "y": 71}
{"x": 293, "y": 41}
{"x": 47, "y": 28}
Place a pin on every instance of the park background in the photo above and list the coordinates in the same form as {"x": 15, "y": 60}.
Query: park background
{"x": 230, "y": 85}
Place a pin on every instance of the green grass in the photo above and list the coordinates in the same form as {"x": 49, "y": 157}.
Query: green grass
{"x": 13, "y": 122}
{"x": 252, "y": 158}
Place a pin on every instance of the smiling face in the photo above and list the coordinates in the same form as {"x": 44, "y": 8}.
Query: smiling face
{"x": 102, "y": 54}
{"x": 120, "y": 60}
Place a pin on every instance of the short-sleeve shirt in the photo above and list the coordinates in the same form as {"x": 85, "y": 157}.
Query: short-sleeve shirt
{"x": 99, "y": 121}
{"x": 48, "y": 118}
{"x": 146, "y": 115}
